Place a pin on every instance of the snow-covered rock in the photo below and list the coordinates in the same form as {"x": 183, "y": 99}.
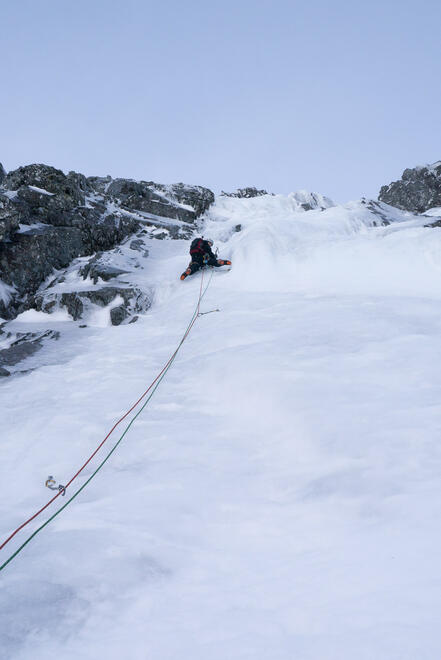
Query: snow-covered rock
{"x": 245, "y": 193}
{"x": 418, "y": 190}
{"x": 16, "y": 347}
{"x": 70, "y": 215}
{"x": 434, "y": 212}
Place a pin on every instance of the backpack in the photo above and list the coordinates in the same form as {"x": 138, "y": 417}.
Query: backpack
{"x": 197, "y": 246}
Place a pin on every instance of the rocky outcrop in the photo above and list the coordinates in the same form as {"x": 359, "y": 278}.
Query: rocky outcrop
{"x": 31, "y": 256}
{"x": 48, "y": 218}
{"x": 131, "y": 301}
{"x": 9, "y": 218}
{"x": 99, "y": 268}
{"x": 22, "y": 346}
{"x": 2, "y": 173}
{"x": 311, "y": 201}
{"x": 138, "y": 245}
{"x": 141, "y": 196}
{"x": 177, "y": 201}
{"x": 53, "y": 187}
{"x": 197, "y": 197}
{"x": 377, "y": 209}
{"x": 246, "y": 193}
{"x": 418, "y": 190}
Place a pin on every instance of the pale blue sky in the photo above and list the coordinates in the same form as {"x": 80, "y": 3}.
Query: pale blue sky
{"x": 335, "y": 97}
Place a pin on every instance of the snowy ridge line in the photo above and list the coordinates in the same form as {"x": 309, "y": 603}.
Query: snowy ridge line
{"x": 153, "y": 387}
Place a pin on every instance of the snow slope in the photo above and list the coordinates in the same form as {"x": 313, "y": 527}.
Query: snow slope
{"x": 280, "y": 497}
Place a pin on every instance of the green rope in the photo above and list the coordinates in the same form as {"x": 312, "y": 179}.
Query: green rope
{"x": 39, "y": 529}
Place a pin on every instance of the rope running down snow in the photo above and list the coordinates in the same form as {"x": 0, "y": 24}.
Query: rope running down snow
{"x": 152, "y": 389}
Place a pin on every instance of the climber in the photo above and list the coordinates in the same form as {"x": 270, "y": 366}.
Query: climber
{"x": 202, "y": 255}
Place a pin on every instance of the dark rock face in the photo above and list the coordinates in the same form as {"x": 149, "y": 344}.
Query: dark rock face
{"x": 139, "y": 195}
{"x": 100, "y": 230}
{"x": 418, "y": 190}
{"x": 9, "y": 218}
{"x": 99, "y": 184}
{"x": 59, "y": 192}
{"x": 243, "y": 193}
{"x": 31, "y": 256}
{"x": 71, "y": 216}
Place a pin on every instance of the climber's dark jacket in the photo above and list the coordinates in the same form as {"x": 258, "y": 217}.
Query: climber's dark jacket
{"x": 200, "y": 247}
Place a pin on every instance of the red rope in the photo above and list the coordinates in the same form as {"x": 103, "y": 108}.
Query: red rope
{"x": 187, "y": 332}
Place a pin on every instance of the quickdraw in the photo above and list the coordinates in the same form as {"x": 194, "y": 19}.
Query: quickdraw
{"x": 52, "y": 484}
